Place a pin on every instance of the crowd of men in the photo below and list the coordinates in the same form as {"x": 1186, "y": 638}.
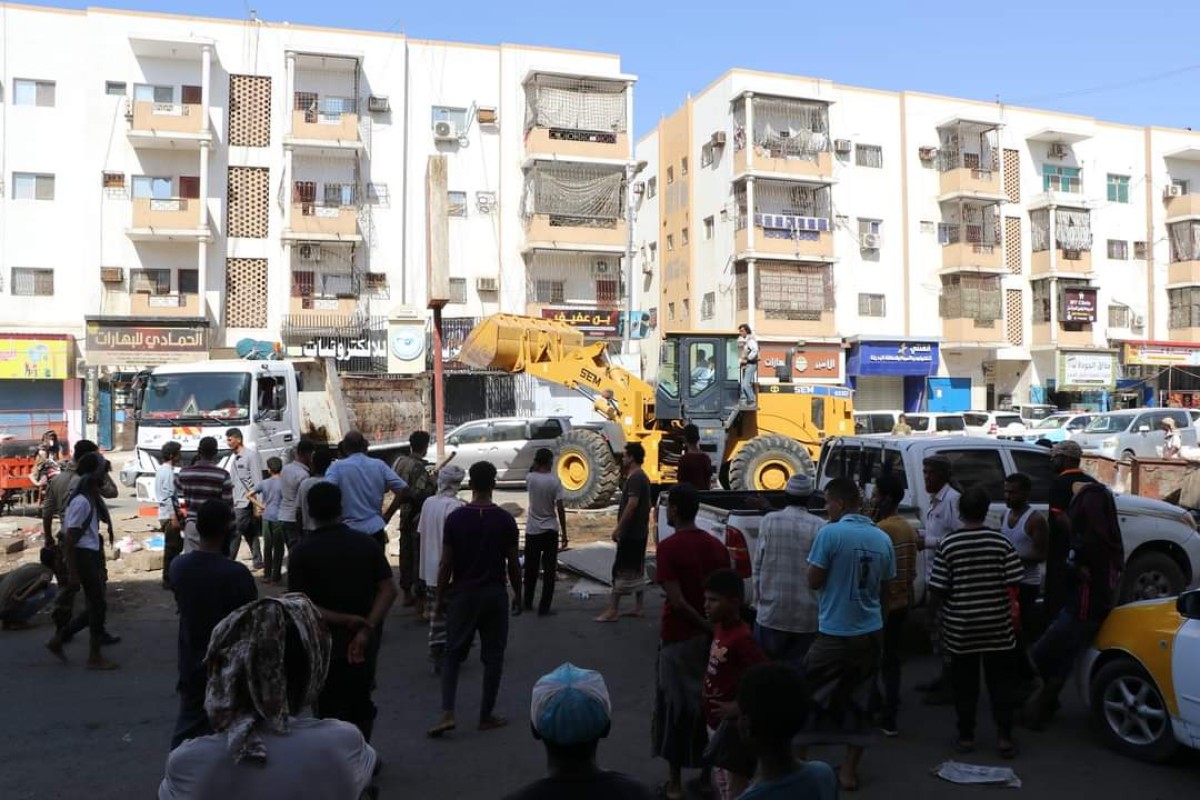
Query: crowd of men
{"x": 817, "y": 660}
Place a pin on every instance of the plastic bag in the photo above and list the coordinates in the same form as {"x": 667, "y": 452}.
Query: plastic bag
{"x": 127, "y": 544}
{"x": 974, "y": 774}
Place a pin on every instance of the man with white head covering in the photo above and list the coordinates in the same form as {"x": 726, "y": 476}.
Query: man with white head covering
{"x": 570, "y": 714}
{"x": 430, "y": 528}
{"x": 787, "y": 607}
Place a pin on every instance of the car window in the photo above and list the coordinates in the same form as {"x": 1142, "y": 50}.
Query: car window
{"x": 1037, "y": 466}
{"x": 545, "y": 429}
{"x": 732, "y": 360}
{"x": 951, "y": 423}
{"x": 978, "y": 467}
{"x": 882, "y": 423}
{"x": 473, "y": 434}
{"x": 1036, "y": 412}
{"x": 507, "y": 432}
{"x": 1079, "y": 423}
{"x": 1004, "y": 420}
{"x": 668, "y": 369}
{"x": 918, "y": 422}
{"x": 1110, "y": 423}
{"x": 1050, "y": 423}
{"x": 976, "y": 420}
{"x": 703, "y": 362}
{"x": 1182, "y": 420}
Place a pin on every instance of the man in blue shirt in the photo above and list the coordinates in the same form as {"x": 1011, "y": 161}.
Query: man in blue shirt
{"x": 848, "y": 564}
{"x": 364, "y": 481}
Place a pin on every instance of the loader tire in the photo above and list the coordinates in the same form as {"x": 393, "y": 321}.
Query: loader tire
{"x": 766, "y": 462}
{"x": 587, "y": 468}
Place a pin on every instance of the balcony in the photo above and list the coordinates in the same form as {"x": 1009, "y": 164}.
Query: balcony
{"x": 786, "y": 137}
{"x": 791, "y": 299}
{"x": 551, "y": 231}
{"x": 168, "y": 219}
{"x": 781, "y": 241}
{"x": 303, "y": 306}
{"x": 320, "y": 222}
{"x": 577, "y": 116}
{"x": 1183, "y": 207}
{"x": 574, "y": 206}
{"x": 968, "y": 183}
{"x": 168, "y": 125}
{"x": 970, "y": 247}
{"x": 968, "y": 160}
{"x": 1075, "y": 262}
{"x": 821, "y": 326}
{"x": 820, "y": 167}
{"x": 964, "y": 256}
{"x": 964, "y": 332}
{"x": 145, "y": 304}
{"x": 1184, "y": 272}
{"x": 317, "y": 129}
{"x": 1083, "y": 337}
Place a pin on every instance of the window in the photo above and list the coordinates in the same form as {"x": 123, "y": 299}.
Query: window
{"x": 978, "y": 467}
{"x": 458, "y": 290}
{"x": 1184, "y": 307}
{"x": 189, "y": 281}
{"x": 653, "y": 251}
{"x": 450, "y": 114}
{"x": 872, "y": 305}
{"x": 708, "y": 305}
{"x": 33, "y": 93}
{"x": 113, "y": 180}
{"x": 1061, "y": 179}
{"x": 336, "y": 195}
{"x": 670, "y": 242}
{"x": 33, "y": 186}
{"x": 153, "y": 94}
{"x": 671, "y": 312}
{"x": 1140, "y": 251}
{"x": 549, "y": 291}
{"x": 865, "y": 226}
{"x": 868, "y": 155}
{"x": 150, "y": 281}
{"x": 1119, "y": 316}
{"x": 670, "y": 175}
{"x": 545, "y": 429}
{"x": 1118, "y": 188}
{"x": 27, "y": 282}
{"x": 683, "y": 166}
{"x": 115, "y": 88}
{"x": 1037, "y": 466}
{"x": 608, "y": 292}
{"x": 507, "y": 432}
{"x": 153, "y": 187}
{"x": 683, "y": 236}
{"x": 1118, "y": 249}
{"x": 702, "y": 361}
{"x": 709, "y": 227}
{"x": 377, "y": 285}
{"x": 706, "y": 155}
{"x": 473, "y": 434}
{"x": 1041, "y": 300}
{"x": 651, "y": 188}
{"x": 687, "y": 308}
{"x": 458, "y": 204}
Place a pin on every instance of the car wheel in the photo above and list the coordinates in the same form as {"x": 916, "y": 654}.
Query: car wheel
{"x": 1131, "y": 712}
{"x": 1127, "y": 455}
{"x": 1151, "y": 575}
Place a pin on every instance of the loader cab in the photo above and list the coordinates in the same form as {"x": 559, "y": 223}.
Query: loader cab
{"x": 697, "y": 376}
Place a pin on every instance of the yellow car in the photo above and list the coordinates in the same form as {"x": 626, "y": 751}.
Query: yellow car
{"x": 1141, "y": 677}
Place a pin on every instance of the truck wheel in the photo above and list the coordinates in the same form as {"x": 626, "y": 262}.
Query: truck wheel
{"x": 766, "y": 462}
{"x": 1151, "y": 575}
{"x": 587, "y": 468}
{"x": 1131, "y": 713}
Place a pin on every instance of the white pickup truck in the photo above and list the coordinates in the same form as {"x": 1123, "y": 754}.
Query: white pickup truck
{"x": 1162, "y": 546}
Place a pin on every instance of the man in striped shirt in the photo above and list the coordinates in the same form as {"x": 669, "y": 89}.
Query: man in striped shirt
{"x": 975, "y": 573}
{"x": 198, "y": 483}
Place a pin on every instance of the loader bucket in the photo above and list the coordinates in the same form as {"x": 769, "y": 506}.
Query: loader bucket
{"x": 509, "y": 342}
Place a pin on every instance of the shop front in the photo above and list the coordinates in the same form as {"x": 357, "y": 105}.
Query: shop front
{"x": 781, "y": 362}
{"x": 891, "y": 374}
{"x": 38, "y": 390}
{"x": 1162, "y": 373}
{"x": 1084, "y": 380}
{"x": 116, "y": 350}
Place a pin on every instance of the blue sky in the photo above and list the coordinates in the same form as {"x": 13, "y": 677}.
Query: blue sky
{"x": 1122, "y": 61}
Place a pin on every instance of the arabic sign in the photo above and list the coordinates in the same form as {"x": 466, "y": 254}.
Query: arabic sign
{"x": 809, "y": 362}
{"x": 34, "y": 359}
{"x": 1086, "y": 370}
{"x": 356, "y": 344}
{"x": 602, "y": 323}
{"x": 1156, "y": 354}
{"x": 1079, "y": 305}
{"x": 893, "y": 358}
{"x": 343, "y": 348}
{"x": 119, "y": 343}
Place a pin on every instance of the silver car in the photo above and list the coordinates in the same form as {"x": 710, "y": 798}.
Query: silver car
{"x": 508, "y": 443}
{"x": 1123, "y": 434}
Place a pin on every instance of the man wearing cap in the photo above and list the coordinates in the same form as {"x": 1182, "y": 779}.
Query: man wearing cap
{"x": 1172, "y": 441}
{"x": 941, "y": 519}
{"x": 1064, "y": 458}
{"x": 787, "y": 607}
{"x": 570, "y": 714}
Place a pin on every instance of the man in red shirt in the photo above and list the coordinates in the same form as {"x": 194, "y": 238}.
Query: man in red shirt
{"x": 685, "y": 560}
{"x": 695, "y": 467}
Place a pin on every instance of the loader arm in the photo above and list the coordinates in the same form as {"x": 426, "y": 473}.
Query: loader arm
{"x": 557, "y": 353}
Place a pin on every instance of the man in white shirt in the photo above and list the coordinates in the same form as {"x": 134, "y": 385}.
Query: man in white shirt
{"x": 787, "y": 607}
{"x": 546, "y": 520}
{"x": 940, "y": 520}
{"x": 749, "y": 365}
{"x": 170, "y": 521}
{"x": 294, "y": 473}
{"x": 245, "y": 469}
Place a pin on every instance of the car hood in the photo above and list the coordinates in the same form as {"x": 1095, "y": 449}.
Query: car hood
{"x": 1132, "y": 504}
{"x": 1093, "y": 439}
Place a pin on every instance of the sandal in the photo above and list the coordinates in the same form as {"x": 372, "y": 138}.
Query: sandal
{"x": 442, "y": 727}
{"x": 492, "y": 722}
{"x": 1008, "y": 749}
{"x": 964, "y": 746}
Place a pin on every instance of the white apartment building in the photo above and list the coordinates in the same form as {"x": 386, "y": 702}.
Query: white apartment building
{"x": 174, "y": 187}
{"x": 932, "y": 252}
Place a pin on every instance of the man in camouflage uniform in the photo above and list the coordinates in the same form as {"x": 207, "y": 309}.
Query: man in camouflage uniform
{"x": 414, "y": 470}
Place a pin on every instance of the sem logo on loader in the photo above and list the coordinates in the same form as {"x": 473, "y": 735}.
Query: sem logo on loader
{"x": 590, "y": 376}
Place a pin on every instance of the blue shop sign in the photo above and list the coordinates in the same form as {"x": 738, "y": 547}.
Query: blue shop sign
{"x": 892, "y": 358}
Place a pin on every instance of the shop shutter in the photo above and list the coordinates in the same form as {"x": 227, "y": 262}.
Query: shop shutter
{"x": 879, "y": 394}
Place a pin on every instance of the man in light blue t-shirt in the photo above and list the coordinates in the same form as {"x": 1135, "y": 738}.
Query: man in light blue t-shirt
{"x": 848, "y": 564}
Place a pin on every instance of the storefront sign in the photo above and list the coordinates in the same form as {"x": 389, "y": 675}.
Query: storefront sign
{"x": 406, "y": 346}
{"x": 893, "y": 358}
{"x": 808, "y": 362}
{"x": 600, "y": 323}
{"x": 1078, "y": 305}
{"x": 34, "y": 359}
{"x": 356, "y": 344}
{"x": 1086, "y": 370}
{"x": 92, "y": 394}
{"x": 121, "y": 343}
{"x": 1162, "y": 354}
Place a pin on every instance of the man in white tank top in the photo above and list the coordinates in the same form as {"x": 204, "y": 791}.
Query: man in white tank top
{"x": 1027, "y": 529}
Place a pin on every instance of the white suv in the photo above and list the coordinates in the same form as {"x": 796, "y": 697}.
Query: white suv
{"x": 993, "y": 423}
{"x": 933, "y": 423}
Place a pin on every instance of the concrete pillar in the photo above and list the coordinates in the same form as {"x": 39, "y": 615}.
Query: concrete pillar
{"x": 1053, "y": 281}
{"x": 205, "y": 86}
{"x": 749, "y": 100}
{"x": 750, "y": 231}
{"x": 751, "y": 293}
{"x": 287, "y": 187}
{"x": 289, "y": 88}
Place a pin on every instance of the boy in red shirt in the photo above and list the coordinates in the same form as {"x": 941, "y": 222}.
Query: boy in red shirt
{"x": 733, "y": 651}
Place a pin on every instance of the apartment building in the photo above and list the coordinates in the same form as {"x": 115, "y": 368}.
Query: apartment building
{"x": 179, "y": 188}
{"x": 932, "y": 252}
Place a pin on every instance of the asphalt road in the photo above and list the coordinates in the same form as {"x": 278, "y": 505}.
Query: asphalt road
{"x": 65, "y": 732}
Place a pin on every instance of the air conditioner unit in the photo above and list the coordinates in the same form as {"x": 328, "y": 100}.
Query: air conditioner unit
{"x": 718, "y": 139}
{"x": 112, "y": 275}
{"x": 378, "y": 104}
{"x": 927, "y": 153}
{"x": 639, "y": 188}
{"x": 310, "y": 252}
{"x": 1174, "y": 190}
{"x": 487, "y": 115}
{"x": 1058, "y": 150}
{"x": 1139, "y": 322}
{"x": 445, "y": 130}
{"x": 602, "y": 268}
{"x": 842, "y": 146}
{"x": 487, "y": 285}
{"x": 485, "y": 202}
{"x": 870, "y": 241}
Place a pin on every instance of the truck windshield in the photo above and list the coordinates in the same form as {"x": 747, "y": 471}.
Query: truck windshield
{"x": 222, "y": 396}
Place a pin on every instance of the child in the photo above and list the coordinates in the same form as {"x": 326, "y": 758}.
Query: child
{"x": 773, "y": 705}
{"x": 320, "y": 465}
{"x": 732, "y": 652}
{"x": 269, "y": 493}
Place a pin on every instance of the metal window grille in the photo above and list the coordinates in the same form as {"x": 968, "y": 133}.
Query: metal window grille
{"x": 458, "y": 290}
{"x": 1118, "y": 249}
{"x": 868, "y": 155}
{"x": 152, "y": 281}
{"x": 708, "y": 305}
{"x": 27, "y": 282}
{"x": 872, "y": 305}
{"x": 1119, "y": 316}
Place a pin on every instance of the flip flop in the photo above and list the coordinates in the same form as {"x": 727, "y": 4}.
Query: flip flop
{"x": 843, "y": 784}
{"x": 441, "y": 728}
{"x": 492, "y": 723}
{"x": 1009, "y": 751}
{"x": 964, "y": 746}
{"x": 605, "y": 620}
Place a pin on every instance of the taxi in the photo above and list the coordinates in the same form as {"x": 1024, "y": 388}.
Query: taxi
{"x": 1141, "y": 678}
